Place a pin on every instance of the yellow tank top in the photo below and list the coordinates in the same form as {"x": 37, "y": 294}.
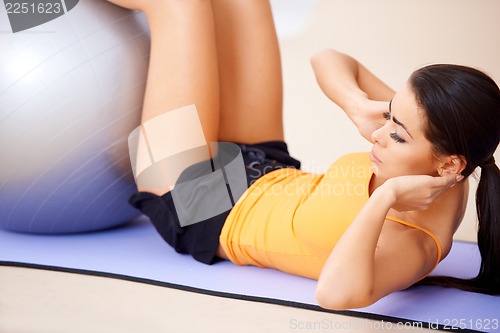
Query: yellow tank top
{"x": 291, "y": 220}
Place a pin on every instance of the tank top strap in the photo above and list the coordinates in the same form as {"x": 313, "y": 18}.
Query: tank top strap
{"x": 436, "y": 240}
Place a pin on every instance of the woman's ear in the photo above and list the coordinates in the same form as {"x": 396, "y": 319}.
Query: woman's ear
{"x": 452, "y": 165}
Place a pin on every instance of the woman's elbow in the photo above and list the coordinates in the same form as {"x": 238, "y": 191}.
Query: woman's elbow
{"x": 326, "y": 54}
{"x": 345, "y": 299}
{"x": 329, "y": 302}
{"x": 318, "y": 57}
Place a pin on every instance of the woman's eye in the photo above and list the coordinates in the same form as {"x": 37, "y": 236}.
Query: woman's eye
{"x": 387, "y": 115}
{"x": 397, "y": 138}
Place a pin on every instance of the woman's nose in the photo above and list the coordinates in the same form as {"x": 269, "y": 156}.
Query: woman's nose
{"x": 378, "y": 136}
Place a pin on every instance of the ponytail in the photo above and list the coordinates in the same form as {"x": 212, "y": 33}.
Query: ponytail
{"x": 488, "y": 238}
{"x": 462, "y": 108}
{"x": 488, "y": 235}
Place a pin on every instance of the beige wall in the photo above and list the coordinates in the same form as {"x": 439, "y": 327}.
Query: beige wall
{"x": 392, "y": 38}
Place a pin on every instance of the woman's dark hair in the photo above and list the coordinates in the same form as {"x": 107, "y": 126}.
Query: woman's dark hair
{"x": 462, "y": 107}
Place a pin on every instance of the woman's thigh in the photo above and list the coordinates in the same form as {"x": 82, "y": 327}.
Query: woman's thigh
{"x": 251, "y": 89}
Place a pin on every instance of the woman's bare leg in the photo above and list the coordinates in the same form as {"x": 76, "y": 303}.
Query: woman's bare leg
{"x": 183, "y": 70}
{"x": 183, "y": 62}
{"x": 251, "y": 89}
{"x": 183, "y": 67}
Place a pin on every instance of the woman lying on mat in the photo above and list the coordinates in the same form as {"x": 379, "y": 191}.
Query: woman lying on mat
{"x": 375, "y": 222}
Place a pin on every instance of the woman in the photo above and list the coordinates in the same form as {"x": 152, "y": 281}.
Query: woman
{"x": 373, "y": 223}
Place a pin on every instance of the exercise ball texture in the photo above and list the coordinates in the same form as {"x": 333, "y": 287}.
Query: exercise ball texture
{"x": 71, "y": 91}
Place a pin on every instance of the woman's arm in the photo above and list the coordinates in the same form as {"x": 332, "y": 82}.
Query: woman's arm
{"x": 362, "y": 95}
{"x": 362, "y": 268}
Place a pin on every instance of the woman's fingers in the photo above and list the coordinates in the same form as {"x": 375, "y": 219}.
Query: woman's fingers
{"x": 419, "y": 192}
{"x": 446, "y": 182}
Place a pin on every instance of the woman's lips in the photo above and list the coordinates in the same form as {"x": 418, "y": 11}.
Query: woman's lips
{"x": 374, "y": 158}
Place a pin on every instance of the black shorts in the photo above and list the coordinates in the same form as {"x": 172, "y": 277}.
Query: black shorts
{"x": 202, "y": 239}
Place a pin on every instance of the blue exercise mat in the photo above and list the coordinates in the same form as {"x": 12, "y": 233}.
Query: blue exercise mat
{"x": 136, "y": 252}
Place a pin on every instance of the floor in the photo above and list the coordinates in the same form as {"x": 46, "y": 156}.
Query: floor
{"x": 40, "y": 301}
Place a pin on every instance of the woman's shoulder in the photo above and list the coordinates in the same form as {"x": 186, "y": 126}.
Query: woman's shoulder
{"x": 444, "y": 217}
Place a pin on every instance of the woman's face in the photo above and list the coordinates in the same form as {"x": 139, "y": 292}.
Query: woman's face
{"x": 400, "y": 147}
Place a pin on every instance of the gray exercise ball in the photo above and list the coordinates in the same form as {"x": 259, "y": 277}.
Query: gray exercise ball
{"x": 71, "y": 91}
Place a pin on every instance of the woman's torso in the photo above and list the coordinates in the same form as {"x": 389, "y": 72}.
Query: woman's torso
{"x": 291, "y": 220}
{"x": 288, "y": 215}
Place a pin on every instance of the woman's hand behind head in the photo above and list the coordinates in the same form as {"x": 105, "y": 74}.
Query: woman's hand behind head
{"x": 418, "y": 192}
